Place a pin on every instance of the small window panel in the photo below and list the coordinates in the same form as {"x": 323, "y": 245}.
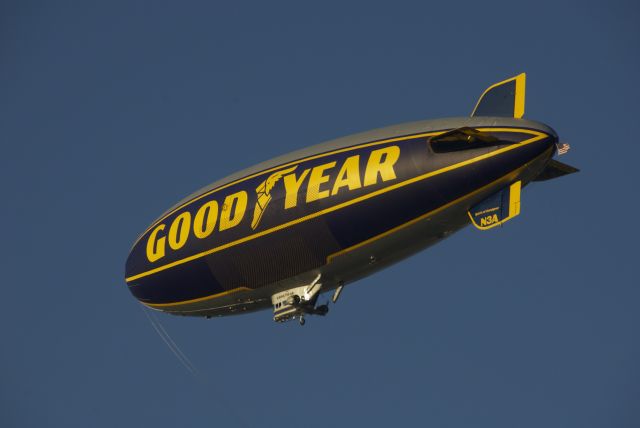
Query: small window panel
{"x": 464, "y": 139}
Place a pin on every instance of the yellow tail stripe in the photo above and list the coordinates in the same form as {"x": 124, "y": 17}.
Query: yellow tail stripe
{"x": 518, "y": 107}
{"x": 514, "y": 199}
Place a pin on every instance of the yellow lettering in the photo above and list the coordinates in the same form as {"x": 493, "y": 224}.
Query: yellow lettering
{"x": 155, "y": 246}
{"x": 489, "y": 220}
{"x": 316, "y": 179}
{"x": 179, "y": 230}
{"x": 381, "y": 162}
{"x": 236, "y": 204}
{"x": 205, "y": 220}
{"x": 291, "y": 186}
{"x": 349, "y": 175}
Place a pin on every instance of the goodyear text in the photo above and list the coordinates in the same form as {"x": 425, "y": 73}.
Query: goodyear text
{"x": 321, "y": 181}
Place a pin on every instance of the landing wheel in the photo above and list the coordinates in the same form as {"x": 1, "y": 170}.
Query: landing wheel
{"x": 322, "y": 310}
{"x": 301, "y": 320}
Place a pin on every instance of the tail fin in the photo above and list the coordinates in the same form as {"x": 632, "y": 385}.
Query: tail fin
{"x": 504, "y": 98}
{"x": 555, "y": 169}
{"x": 497, "y": 208}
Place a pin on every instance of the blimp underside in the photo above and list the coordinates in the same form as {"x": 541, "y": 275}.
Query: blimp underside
{"x": 283, "y": 232}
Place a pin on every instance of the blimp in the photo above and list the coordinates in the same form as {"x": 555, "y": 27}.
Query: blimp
{"x": 284, "y": 232}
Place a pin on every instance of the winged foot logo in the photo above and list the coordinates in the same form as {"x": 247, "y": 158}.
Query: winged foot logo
{"x": 263, "y": 193}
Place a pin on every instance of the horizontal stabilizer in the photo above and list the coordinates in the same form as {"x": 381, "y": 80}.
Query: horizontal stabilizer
{"x": 497, "y": 208}
{"x": 504, "y": 99}
{"x": 555, "y": 169}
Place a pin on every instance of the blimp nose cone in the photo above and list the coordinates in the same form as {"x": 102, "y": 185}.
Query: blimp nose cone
{"x": 132, "y": 265}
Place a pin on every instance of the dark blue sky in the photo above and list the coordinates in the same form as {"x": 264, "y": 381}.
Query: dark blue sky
{"x": 110, "y": 113}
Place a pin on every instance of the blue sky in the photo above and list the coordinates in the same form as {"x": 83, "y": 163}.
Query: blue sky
{"x": 111, "y": 112}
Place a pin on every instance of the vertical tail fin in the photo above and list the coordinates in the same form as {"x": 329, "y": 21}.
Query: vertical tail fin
{"x": 504, "y": 98}
{"x": 497, "y": 208}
